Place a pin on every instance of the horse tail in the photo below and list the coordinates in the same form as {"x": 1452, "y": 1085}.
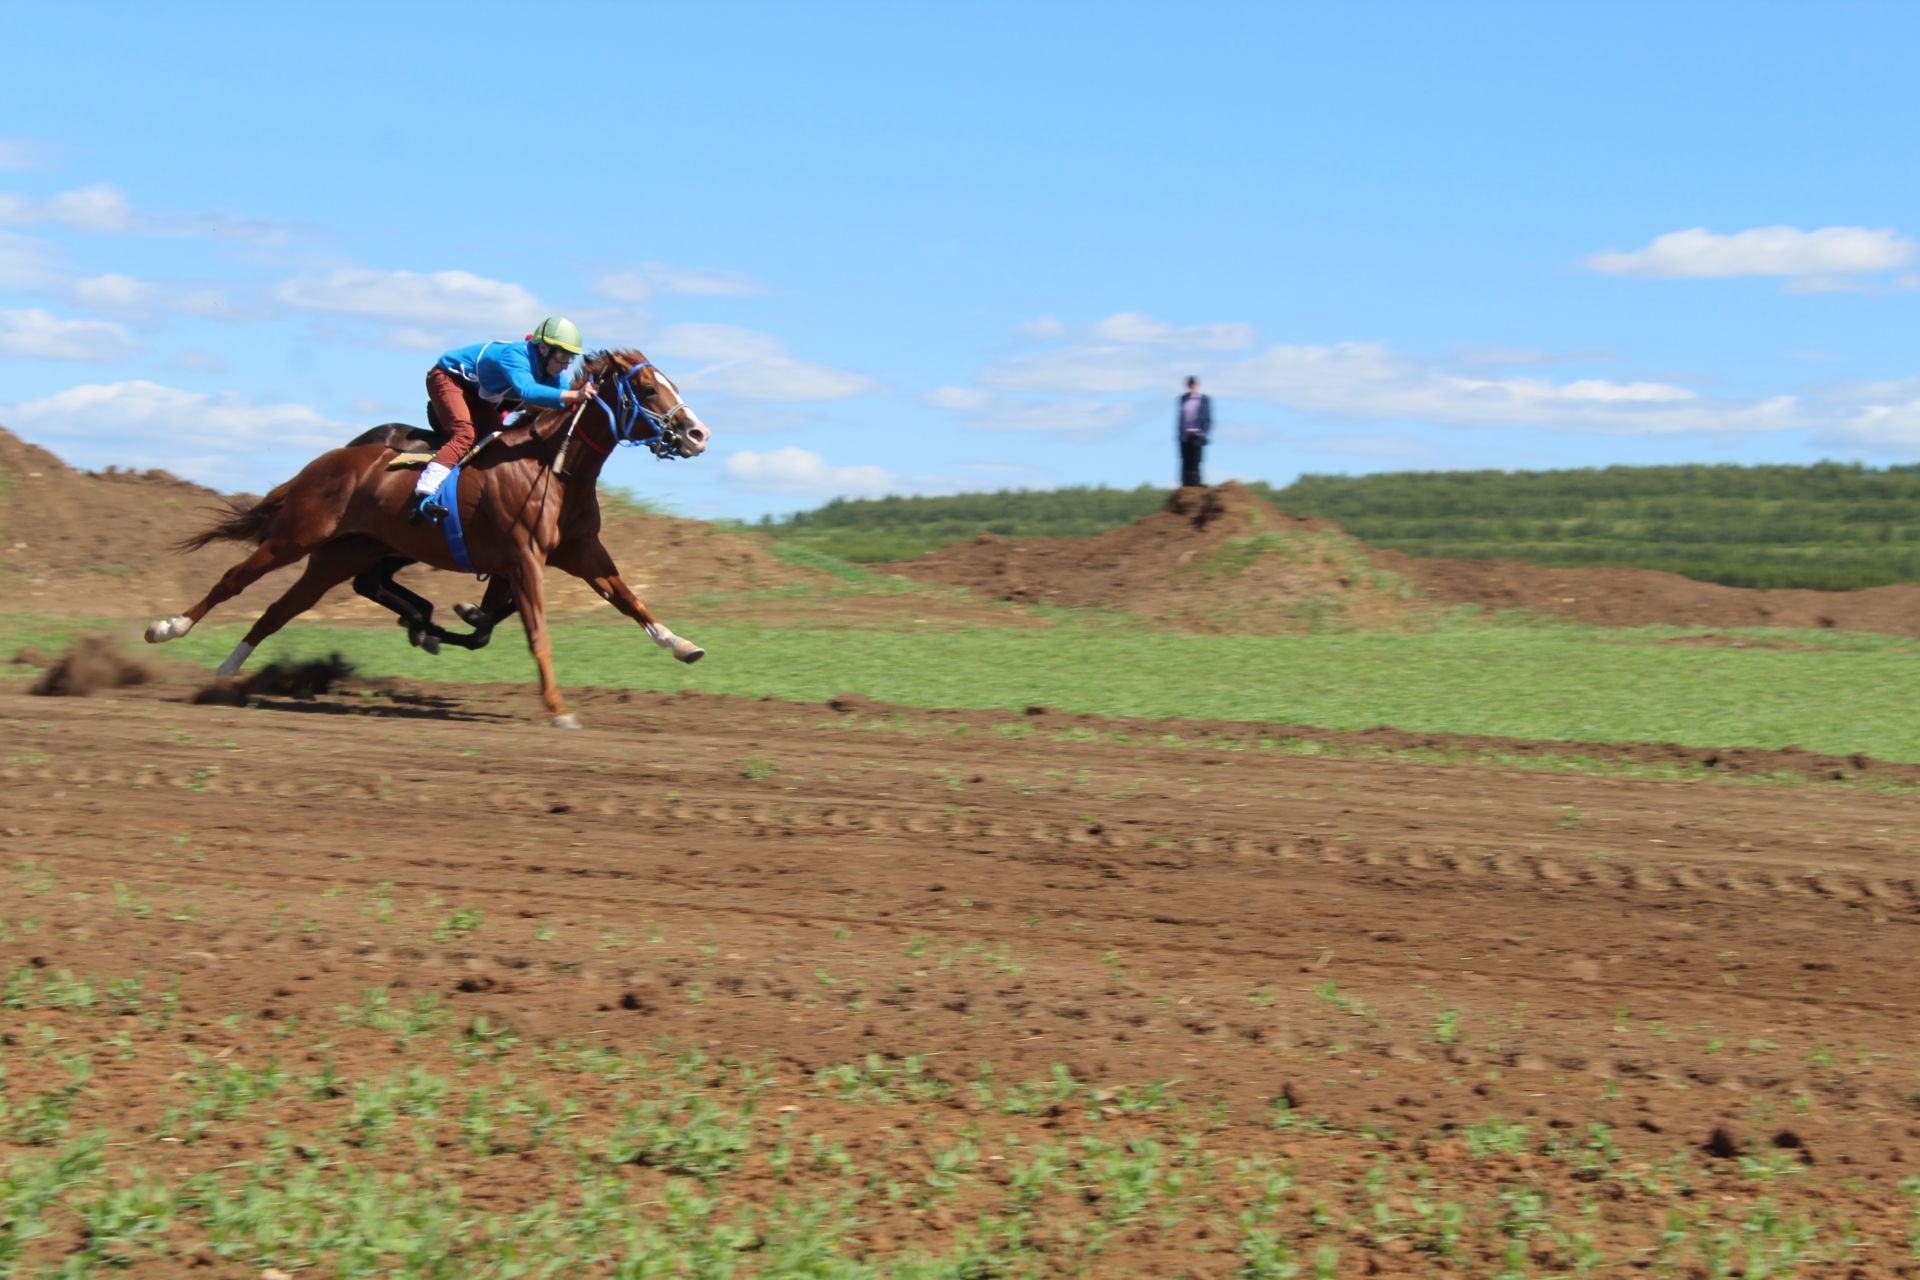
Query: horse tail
{"x": 242, "y": 524}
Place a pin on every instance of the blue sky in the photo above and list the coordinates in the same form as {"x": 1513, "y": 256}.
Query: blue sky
{"x": 919, "y": 248}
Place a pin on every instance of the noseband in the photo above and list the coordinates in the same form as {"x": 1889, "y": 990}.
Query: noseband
{"x": 627, "y": 415}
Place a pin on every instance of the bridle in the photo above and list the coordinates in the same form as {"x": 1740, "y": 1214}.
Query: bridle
{"x": 628, "y": 414}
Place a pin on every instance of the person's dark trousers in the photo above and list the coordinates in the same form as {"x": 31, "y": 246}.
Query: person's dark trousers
{"x": 1190, "y": 461}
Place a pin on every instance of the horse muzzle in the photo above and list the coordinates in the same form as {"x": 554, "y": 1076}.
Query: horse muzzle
{"x": 693, "y": 439}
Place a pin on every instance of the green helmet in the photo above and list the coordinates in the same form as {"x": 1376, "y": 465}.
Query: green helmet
{"x": 557, "y": 331}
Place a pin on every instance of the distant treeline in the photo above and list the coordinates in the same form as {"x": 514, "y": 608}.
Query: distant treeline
{"x": 1831, "y": 526}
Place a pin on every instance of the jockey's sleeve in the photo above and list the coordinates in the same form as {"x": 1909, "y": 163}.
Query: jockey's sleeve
{"x": 507, "y": 370}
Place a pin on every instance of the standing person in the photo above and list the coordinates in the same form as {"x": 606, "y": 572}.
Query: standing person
{"x": 1191, "y": 427}
{"x": 480, "y": 384}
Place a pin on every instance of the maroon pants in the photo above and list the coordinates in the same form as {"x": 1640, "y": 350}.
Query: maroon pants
{"x": 458, "y": 410}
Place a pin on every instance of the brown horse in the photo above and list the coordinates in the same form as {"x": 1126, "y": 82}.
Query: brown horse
{"x": 527, "y": 501}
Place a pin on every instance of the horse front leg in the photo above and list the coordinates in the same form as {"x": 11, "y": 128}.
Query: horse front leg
{"x": 592, "y": 565}
{"x": 531, "y": 594}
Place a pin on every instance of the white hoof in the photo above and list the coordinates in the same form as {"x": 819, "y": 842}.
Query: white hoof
{"x": 168, "y": 629}
{"x": 567, "y": 721}
{"x": 687, "y": 651}
{"x": 235, "y": 660}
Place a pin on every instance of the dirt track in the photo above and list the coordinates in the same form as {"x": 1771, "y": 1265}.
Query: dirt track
{"x": 1666, "y": 958}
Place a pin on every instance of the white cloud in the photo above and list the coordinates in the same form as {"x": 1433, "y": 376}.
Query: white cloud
{"x": 1126, "y": 353}
{"x": 17, "y": 154}
{"x": 1133, "y": 328}
{"x": 27, "y": 263}
{"x": 650, "y": 279}
{"x": 226, "y": 440}
{"x": 218, "y": 439}
{"x": 712, "y": 343}
{"x": 960, "y": 399}
{"x": 416, "y": 299}
{"x": 782, "y": 378}
{"x": 1367, "y": 381}
{"x": 754, "y": 366}
{"x": 1478, "y": 357}
{"x": 1044, "y": 329}
{"x": 801, "y": 471}
{"x": 198, "y": 360}
{"x": 1081, "y": 420}
{"x": 1762, "y": 251}
{"x": 36, "y": 334}
{"x": 100, "y": 209}
{"x": 155, "y": 411}
{"x": 1089, "y": 370}
{"x": 36, "y": 266}
{"x": 105, "y": 210}
{"x": 113, "y": 292}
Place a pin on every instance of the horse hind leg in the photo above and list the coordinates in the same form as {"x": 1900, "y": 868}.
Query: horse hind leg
{"x": 274, "y": 553}
{"x": 414, "y": 611}
{"x": 494, "y": 608}
{"x": 330, "y": 566}
{"x": 305, "y": 521}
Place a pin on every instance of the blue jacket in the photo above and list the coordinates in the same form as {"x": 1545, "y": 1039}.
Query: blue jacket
{"x": 508, "y": 374}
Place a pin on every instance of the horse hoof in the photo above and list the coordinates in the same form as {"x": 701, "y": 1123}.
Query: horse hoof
{"x": 567, "y": 721}
{"x": 425, "y": 640}
{"x": 165, "y": 629}
{"x": 688, "y": 652}
{"x": 471, "y": 614}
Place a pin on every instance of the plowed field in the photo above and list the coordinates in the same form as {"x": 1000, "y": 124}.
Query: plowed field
{"x": 1241, "y": 1007}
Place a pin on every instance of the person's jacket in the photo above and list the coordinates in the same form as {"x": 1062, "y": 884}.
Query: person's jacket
{"x": 508, "y": 374}
{"x": 1204, "y": 422}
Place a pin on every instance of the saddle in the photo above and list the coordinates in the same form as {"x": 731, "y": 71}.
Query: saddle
{"x": 418, "y": 453}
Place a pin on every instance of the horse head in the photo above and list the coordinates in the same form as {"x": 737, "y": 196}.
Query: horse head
{"x": 642, "y": 405}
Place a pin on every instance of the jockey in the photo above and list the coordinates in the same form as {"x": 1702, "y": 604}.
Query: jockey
{"x": 480, "y": 384}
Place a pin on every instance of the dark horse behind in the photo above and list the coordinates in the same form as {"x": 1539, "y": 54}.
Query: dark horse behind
{"x": 528, "y": 500}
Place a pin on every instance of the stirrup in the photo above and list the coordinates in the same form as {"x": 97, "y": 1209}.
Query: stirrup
{"x": 425, "y": 510}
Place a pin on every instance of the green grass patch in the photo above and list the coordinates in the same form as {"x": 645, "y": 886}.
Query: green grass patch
{"x": 806, "y": 557}
{"x": 1518, "y": 677}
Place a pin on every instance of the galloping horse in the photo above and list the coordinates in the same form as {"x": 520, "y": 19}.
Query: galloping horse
{"x": 526, "y": 501}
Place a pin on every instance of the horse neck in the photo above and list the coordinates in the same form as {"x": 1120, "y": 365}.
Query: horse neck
{"x": 581, "y": 457}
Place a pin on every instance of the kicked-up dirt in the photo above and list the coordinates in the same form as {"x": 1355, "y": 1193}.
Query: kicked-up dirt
{"x": 1670, "y": 1016}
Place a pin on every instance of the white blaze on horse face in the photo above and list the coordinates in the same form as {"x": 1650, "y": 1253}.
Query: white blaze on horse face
{"x": 694, "y": 435}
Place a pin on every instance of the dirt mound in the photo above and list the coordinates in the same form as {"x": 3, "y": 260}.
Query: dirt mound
{"x": 79, "y": 543}
{"x": 1222, "y": 559}
{"x": 1641, "y": 597}
{"x": 1213, "y": 559}
{"x": 92, "y": 664}
{"x": 101, "y": 544}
